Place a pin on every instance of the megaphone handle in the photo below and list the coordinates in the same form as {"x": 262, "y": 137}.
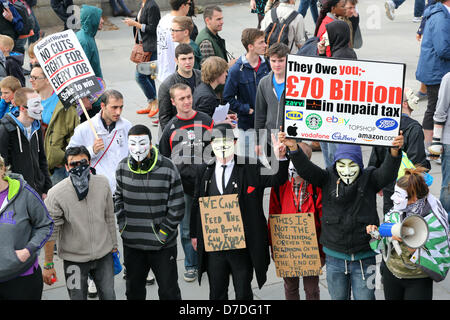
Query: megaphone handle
{"x": 397, "y": 247}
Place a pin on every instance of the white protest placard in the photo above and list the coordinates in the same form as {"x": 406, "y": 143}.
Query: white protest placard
{"x": 343, "y": 101}
{"x": 67, "y": 67}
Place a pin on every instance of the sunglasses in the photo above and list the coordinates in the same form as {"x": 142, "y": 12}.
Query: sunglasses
{"x": 81, "y": 162}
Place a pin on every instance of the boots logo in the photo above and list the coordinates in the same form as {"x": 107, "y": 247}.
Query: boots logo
{"x": 314, "y": 121}
{"x": 386, "y": 124}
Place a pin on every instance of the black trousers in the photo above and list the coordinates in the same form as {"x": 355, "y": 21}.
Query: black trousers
{"x": 405, "y": 289}
{"x": 433, "y": 93}
{"x": 23, "y": 288}
{"x": 220, "y": 265}
{"x": 164, "y": 266}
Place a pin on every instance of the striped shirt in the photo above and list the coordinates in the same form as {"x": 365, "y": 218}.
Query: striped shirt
{"x": 149, "y": 203}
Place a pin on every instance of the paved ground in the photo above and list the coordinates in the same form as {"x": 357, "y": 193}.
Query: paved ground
{"x": 384, "y": 40}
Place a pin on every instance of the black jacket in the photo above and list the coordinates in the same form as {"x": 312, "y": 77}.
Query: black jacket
{"x": 250, "y": 184}
{"x": 25, "y": 157}
{"x": 205, "y": 99}
{"x": 347, "y": 211}
{"x": 150, "y": 16}
{"x": 166, "y": 109}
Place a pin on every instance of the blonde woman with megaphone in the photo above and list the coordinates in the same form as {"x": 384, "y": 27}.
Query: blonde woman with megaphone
{"x": 414, "y": 240}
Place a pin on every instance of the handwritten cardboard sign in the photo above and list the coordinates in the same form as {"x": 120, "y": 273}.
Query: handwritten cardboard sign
{"x": 343, "y": 101}
{"x": 222, "y": 223}
{"x": 294, "y": 244}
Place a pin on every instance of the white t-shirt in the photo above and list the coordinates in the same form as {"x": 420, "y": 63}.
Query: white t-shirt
{"x": 166, "y": 48}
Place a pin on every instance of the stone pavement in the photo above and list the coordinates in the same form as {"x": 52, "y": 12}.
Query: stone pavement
{"x": 384, "y": 40}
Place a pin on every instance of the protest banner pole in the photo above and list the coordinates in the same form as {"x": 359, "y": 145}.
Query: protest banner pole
{"x": 88, "y": 118}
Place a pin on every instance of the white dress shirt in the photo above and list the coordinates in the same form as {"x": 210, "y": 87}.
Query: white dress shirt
{"x": 219, "y": 172}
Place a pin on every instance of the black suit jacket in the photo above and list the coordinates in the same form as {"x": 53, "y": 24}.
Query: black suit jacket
{"x": 251, "y": 185}
{"x": 150, "y": 16}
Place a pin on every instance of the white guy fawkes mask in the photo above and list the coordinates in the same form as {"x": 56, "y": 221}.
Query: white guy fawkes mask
{"x": 139, "y": 147}
{"x": 348, "y": 170}
{"x": 222, "y": 147}
{"x": 292, "y": 171}
{"x": 399, "y": 198}
{"x": 35, "y": 108}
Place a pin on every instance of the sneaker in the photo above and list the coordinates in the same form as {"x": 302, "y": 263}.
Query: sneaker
{"x": 417, "y": 19}
{"x": 92, "y": 289}
{"x": 390, "y": 9}
{"x": 150, "y": 279}
{"x": 190, "y": 275}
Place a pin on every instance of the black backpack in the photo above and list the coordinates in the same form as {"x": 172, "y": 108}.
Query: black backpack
{"x": 24, "y": 11}
{"x": 278, "y": 31}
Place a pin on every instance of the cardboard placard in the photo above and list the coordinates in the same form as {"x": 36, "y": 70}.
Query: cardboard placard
{"x": 67, "y": 67}
{"x": 343, "y": 101}
{"x": 294, "y": 245}
{"x": 222, "y": 223}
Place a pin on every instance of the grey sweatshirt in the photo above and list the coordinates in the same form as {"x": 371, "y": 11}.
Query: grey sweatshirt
{"x": 24, "y": 223}
{"x": 268, "y": 111}
{"x": 84, "y": 230}
{"x": 443, "y": 108}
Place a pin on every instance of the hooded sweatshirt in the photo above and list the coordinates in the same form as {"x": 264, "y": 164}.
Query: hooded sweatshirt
{"x": 339, "y": 36}
{"x": 24, "y": 223}
{"x": 90, "y": 19}
{"x": 347, "y": 209}
{"x": 25, "y": 155}
{"x": 149, "y": 202}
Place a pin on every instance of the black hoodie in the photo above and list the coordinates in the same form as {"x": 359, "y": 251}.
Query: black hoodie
{"x": 339, "y": 36}
{"x": 26, "y": 157}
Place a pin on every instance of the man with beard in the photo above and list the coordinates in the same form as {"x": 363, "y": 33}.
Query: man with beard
{"x": 82, "y": 209}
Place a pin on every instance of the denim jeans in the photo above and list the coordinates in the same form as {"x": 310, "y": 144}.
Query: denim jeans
{"x": 190, "y": 255}
{"x": 246, "y": 143}
{"x": 328, "y": 151}
{"x": 345, "y": 277}
{"x": 445, "y": 186}
{"x": 119, "y": 6}
{"x": 58, "y": 175}
{"x": 303, "y": 8}
{"x": 419, "y": 6}
{"x": 102, "y": 271}
{"x": 60, "y": 7}
{"x": 146, "y": 83}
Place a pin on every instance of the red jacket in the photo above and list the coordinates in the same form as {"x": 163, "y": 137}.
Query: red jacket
{"x": 322, "y": 30}
{"x": 312, "y": 203}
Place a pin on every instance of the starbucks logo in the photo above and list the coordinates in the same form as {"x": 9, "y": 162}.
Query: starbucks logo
{"x": 313, "y": 121}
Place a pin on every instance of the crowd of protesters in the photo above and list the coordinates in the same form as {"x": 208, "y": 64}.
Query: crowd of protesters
{"x": 73, "y": 194}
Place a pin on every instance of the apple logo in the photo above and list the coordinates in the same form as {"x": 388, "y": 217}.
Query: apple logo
{"x": 292, "y": 130}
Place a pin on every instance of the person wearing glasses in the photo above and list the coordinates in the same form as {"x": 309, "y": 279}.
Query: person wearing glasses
{"x": 182, "y": 28}
{"x": 166, "y": 46}
{"x": 58, "y": 124}
{"x": 82, "y": 209}
{"x": 22, "y": 144}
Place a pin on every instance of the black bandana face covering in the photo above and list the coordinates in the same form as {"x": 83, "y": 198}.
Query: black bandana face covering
{"x": 80, "y": 180}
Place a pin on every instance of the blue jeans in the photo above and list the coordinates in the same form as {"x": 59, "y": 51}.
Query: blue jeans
{"x": 116, "y": 8}
{"x": 345, "y": 277}
{"x": 419, "y": 6}
{"x": 246, "y": 143}
{"x": 102, "y": 271}
{"x": 190, "y": 255}
{"x": 58, "y": 175}
{"x": 328, "y": 151}
{"x": 303, "y": 8}
{"x": 146, "y": 83}
{"x": 445, "y": 186}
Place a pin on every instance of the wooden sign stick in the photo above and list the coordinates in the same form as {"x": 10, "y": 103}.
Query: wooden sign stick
{"x": 88, "y": 118}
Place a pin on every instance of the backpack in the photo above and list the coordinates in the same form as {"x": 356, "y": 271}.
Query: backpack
{"x": 278, "y": 31}
{"x": 25, "y": 12}
{"x": 309, "y": 48}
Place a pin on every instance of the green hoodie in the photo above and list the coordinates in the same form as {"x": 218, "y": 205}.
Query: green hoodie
{"x": 24, "y": 223}
{"x": 90, "y": 19}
